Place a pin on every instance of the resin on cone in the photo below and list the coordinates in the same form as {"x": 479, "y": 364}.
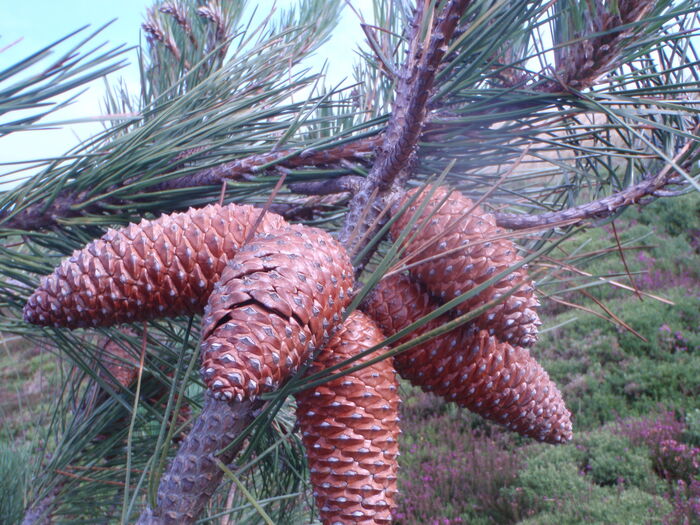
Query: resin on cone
{"x": 279, "y": 299}
{"x": 350, "y": 430}
{"x": 497, "y": 380}
{"x": 157, "y": 268}
{"x": 480, "y": 252}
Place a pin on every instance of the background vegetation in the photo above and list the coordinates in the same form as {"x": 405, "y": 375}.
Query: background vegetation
{"x": 635, "y": 457}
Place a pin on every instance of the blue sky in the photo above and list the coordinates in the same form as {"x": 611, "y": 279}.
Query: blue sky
{"x": 40, "y": 22}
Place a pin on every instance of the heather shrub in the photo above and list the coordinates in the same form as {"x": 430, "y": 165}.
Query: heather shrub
{"x": 685, "y": 498}
{"x": 451, "y": 472}
{"x": 650, "y": 318}
{"x": 611, "y": 460}
{"x": 679, "y": 217}
{"x": 601, "y": 478}
{"x": 655, "y": 320}
{"x": 677, "y": 461}
{"x": 692, "y": 431}
{"x": 651, "y": 431}
{"x": 644, "y": 383}
{"x": 666, "y": 254}
{"x": 605, "y": 507}
{"x": 635, "y": 386}
{"x": 549, "y": 478}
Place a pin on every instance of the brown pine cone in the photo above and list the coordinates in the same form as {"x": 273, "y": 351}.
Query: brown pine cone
{"x": 120, "y": 368}
{"x": 350, "y": 429}
{"x": 496, "y": 380}
{"x": 279, "y": 298}
{"x": 514, "y": 320}
{"x": 157, "y": 268}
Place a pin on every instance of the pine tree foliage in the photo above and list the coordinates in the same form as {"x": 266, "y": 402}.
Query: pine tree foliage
{"x": 553, "y": 113}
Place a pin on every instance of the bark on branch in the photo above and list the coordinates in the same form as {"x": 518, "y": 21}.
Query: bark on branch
{"x": 607, "y": 206}
{"x": 407, "y": 119}
{"x": 193, "y": 475}
{"x": 41, "y": 215}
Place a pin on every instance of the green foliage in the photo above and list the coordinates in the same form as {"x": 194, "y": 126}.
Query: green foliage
{"x": 35, "y": 95}
{"x": 631, "y": 507}
{"x": 550, "y": 475}
{"x": 677, "y": 217}
{"x": 611, "y": 460}
{"x": 14, "y": 481}
{"x": 600, "y": 478}
{"x": 692, "y": 433}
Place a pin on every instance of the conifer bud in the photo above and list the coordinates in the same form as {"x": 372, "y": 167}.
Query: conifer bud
{"x": 157, "y": 268}
{"x": 279, "y": 299}
{"x": 350, "y": 430}
{"x": 474, "y": 251}
{"x": 497, "y": 380}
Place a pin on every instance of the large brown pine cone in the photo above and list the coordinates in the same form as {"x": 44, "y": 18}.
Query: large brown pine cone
{"x": 279, "y": 298}
{"x": 350, "y": 429}
{"x": 157, "y": 268}
{"x": 496, "y": 380}
{"x": 482, "y": 256}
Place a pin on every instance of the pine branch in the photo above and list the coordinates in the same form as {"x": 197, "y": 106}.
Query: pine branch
{"x": 598, "y": 209}
{"x": 193, "y": 475}
{"x": 349, "y": 183}
{"x": 284, "y": 159}
{"x": 43, "y": 215}
{"x": 407, "y": 119}
{"x": 606, "y": 206}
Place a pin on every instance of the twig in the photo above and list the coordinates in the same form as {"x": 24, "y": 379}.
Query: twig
{"x": 41, "y": 215}
{"x": 288, "y": 159}
{"x": 596, "y": 52}
{"x": 193, "y": 475}
{"x": 349, "y": 183}
{"x": 407, "y": 119}
{"x": 600, "y": 208}
{"x": 624, "y": 261}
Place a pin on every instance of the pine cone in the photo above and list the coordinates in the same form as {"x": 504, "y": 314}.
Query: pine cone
{"x": 119, "y": 367}
{"x": 448, "y": 276}
{"x": 279, "y": 298}
{"x": 350, "y": 429}
{"x": 159, "y": 268}
{"x": 496, "y": 380}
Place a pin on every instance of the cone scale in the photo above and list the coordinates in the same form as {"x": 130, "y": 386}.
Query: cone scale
{"x": 350, "y": 430}
{"x": 279, "y": 299}
{"x": 497, "y": 380}
{"x": 157, "y": 268}
{"x": 476, "y": 251}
